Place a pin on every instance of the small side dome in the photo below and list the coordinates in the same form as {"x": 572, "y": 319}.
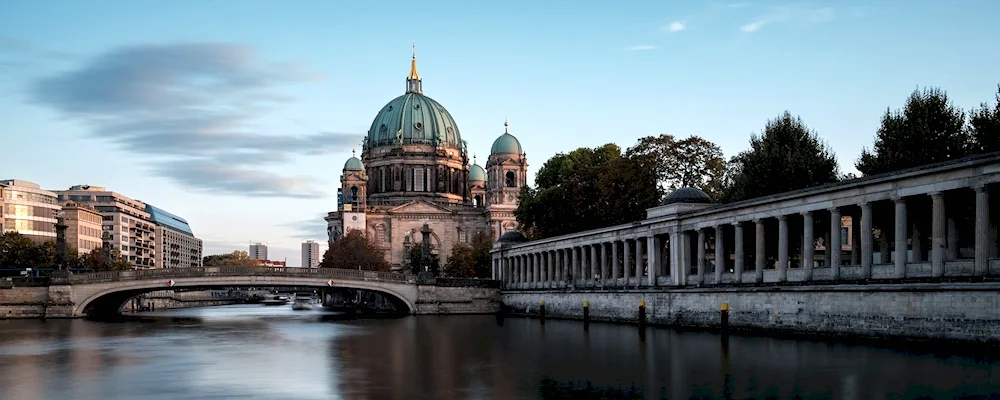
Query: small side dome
{"x": 506, "y": 143}
{"x": 687, "y": 195}
{"x": 354, "y": 164}
{"x": 477, "y": 174}
{"x": 513, "y": 237}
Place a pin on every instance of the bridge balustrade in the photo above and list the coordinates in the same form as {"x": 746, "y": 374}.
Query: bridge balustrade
{"x": 223, "y": 271}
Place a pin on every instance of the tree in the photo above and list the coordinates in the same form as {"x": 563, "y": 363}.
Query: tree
{"x": 471, "y": 260}
{"x": 415, "y": 255}
{"x": 17, "y": 251}
{"x": 984, "y": 127}
{"x": 355, "y": 251}
{"x": 588, "y": 189}
{"x": 786, "y": 156}
{"x": 692, "y": 162}
{"x": 927, "y": 130}
{"x": 236, "y": 258}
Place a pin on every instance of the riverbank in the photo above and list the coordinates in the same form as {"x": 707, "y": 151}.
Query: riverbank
{"x": 904, "y": 312}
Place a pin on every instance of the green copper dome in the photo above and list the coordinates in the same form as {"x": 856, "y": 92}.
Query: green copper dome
{"x": 506, "y": 143}
{"x": 414, "y": 118}
{"x": 354, "y": 164}
{"x": 477, "y": 174}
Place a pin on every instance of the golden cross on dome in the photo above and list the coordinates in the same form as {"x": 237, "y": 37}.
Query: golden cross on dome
{"x": 505, "y": 125}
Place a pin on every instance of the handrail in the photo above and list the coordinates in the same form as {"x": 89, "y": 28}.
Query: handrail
{"x": 235, "y": 270}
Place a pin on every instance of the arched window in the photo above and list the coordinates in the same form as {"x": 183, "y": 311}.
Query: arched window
{"x": 380, "y": 234}
{"x": 477, "y": 201}
{"x": 511, "y": 181}
{"x": 354, "y": 195}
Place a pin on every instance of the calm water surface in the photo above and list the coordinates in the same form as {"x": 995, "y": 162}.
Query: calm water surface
{"x": 257, "y": 352}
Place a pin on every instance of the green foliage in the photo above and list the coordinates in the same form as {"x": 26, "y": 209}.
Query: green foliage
{"x": 415, "y": 255}
{"x": 17, "y": 251}
{"x": 588, "y": 189}
{"x": 984, "y": 127}
{"x": 236, "y": 258}
{"x": 470, "y": 260}
{"x": 927, "y": 130}
{"x": 692, "y": 162}
{"x": 355, "y": 251}
{"x": 786, "y": 156}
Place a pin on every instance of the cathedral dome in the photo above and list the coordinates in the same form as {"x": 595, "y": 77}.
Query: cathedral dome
{"x": 477, "y": 173}
{"x": 354, "y": 164}
{"x": 506, "y": 143}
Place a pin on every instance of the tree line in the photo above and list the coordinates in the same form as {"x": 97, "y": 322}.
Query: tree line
{"x": 19, "y": 252}
{"x": 356, "y": 251}
{"x": 590, "y": 188}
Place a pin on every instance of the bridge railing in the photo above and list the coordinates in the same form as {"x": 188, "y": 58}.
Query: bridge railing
{"x": 170, "y": 273}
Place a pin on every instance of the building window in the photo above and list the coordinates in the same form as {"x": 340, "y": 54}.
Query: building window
{"x": 380, "y": 234}
{"x": 463, "y": 237}
{"x": 511, "y": 180}
{"x": 844, "y": 236}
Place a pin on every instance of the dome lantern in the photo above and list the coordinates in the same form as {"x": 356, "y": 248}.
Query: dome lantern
{"x": 506, "y": 143}
{"x": 413, "y": 82}
{"x": 354, "y": 163}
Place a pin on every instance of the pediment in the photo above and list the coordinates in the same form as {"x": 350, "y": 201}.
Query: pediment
{"x": 421, "y": 207}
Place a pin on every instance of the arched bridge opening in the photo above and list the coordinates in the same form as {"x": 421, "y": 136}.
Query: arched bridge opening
{"x": 103, "y": 295}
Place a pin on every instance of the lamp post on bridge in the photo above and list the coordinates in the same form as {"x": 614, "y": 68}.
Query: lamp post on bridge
{"x": 61, "y": 275}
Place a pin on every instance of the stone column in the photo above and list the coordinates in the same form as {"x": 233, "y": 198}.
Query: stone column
{"x": 982, "y": 231}
{"x": 952, "y": 250}
{"x": 866, "y": 240}
{"x": 653, "y": 257}
{"x": 836, "y": 248}
{"x": 900, "y": 233}
{"x": 614, "y": 263}
{"x": 938, "y": 241}
{"x": 592, "y": 265}
{"x": 738, "y": 257}
{"x": 559, "y": 267}
{"x": 605, "y": 267}
{"x": 701, "y": 257}
{"x": 855, "y": 240}
{"x": 638, "y": 261}
{"x": 578, "y": 269}
{"x": 626, "y": 261}
{"x": 720, "y": 254}
{"x": 760, "y": 251}
{"x": 782, "y": 248}
{"x": 808, "y": 246}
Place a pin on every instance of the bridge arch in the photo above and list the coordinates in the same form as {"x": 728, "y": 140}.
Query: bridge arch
{"x": 107, "y": 292}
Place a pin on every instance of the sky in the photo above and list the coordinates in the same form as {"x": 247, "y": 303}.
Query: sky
{"x": 238, "y": 115}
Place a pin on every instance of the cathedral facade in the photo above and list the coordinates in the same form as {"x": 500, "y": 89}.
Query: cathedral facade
{"x": 414, "y": 170}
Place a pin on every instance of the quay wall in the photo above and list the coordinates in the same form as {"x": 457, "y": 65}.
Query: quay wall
{"x": 937, "y": 311}
{"x": 23, "y": 302}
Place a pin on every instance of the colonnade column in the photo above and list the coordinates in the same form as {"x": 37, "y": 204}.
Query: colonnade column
{"x": 720, "y": 254}
{"x": 701, "y": 257}
{"x": 592, "y": 265}
{"x": 782, "y": 248}
{"x": 738, "y": 257}
{"x": 578, "y": 268}
{"x": 760, "y": 257}
{"x": 835, "y": 245}
{"x": 605, "y": 268}
{"x": 638, "y": 261}
{"x": 614, "y": 263}
{"x": 937, "y": 235}
{"x": 653, "y": 245}
{"x": 982, "y": 231}
{"x": 900, "y": 261}
{"x": 808, "y": 246}
{"x": 626, "y": 261}
{"x": 866, "y": 240}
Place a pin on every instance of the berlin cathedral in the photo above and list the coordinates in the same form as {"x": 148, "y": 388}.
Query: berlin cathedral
{"x": 414, "y": 169}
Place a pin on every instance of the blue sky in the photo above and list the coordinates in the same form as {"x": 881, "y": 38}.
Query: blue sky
{"x": 238, "y": 115}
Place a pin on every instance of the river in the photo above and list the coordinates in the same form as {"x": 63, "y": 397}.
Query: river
{"x": 257, "y": 352}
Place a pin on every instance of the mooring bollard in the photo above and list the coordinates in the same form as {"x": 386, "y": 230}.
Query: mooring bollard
{"x": 541, "y": 311}
{"x": 586, "y": 313}
{"x": 642, "y": 313}
{"x": 724, "y": 310}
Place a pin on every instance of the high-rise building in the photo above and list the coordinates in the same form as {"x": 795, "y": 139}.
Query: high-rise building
{"x": 310, "y": 254}
{"x": 29, "y": 210}
{"x": 258, "y": 251}
{"x": 178, "y": 247}
{"x": 83, "y": 227}
{"x": 125, "y": 219}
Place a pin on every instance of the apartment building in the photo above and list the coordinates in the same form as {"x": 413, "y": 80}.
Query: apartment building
{"x": 83, "y": 227}
{"x": 310, "y": 254}
{"x": 124, "y": 218}
{"x": 178, "y": 247}
{"x": 258, "y": 251}
{"x": 29, "y": 210}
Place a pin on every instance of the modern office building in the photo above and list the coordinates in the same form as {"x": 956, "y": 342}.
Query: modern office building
{"x": 178, "y": 247}
{"x": 124, "y": 218}
{"x": 29, "y": 210}
{"x": 258, "y": 251}
{"x": 83, "y": 227}
{"x": 310, "y": 254}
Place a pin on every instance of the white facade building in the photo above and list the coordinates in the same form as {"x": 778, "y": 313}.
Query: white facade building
{"x": 258, "y": 251}
{"x": 310, "y": 254}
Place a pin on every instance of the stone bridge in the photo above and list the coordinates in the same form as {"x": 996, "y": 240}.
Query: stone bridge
{"x": 80, "y": 295}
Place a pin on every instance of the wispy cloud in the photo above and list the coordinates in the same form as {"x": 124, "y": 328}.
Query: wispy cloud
{"x": 191, "y": 108}
{"x": 641, "y": 47}
{"x": 676, "y": 26}
{"x": 794, "y": 14}
{"x": 313, "y": 228}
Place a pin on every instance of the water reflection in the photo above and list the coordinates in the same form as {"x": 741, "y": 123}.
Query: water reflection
{"x": 253, "y": 352}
